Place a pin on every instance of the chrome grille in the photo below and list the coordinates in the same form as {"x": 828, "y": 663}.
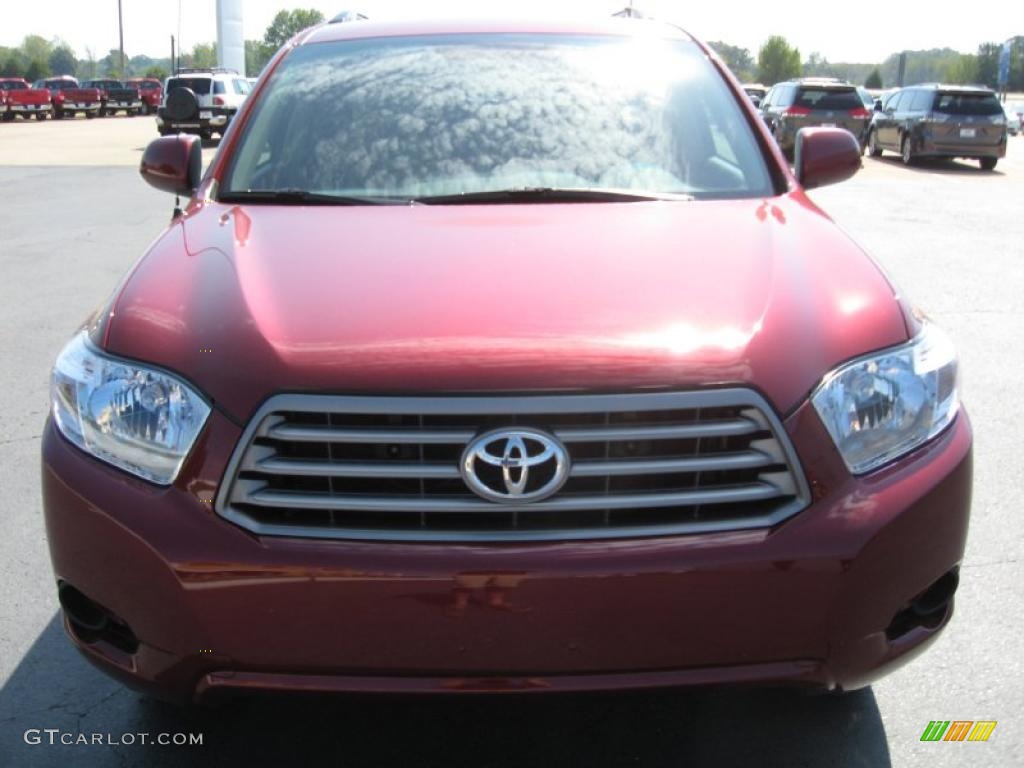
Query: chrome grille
{"x": 387, "y": 468}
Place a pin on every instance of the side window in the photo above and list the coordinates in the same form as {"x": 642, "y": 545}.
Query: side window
{"x": 922, "y": 101}
{"x": 241, "y": 86}
{"x": 894, "y": 101}
{"x": 218, "y": 86}
{"x": 788, "y": 95}
{"x": 767, "y": 100}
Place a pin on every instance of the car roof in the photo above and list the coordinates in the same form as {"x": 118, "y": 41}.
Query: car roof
{"x": 952, "y": 88}
{"x": 599, "y": 26}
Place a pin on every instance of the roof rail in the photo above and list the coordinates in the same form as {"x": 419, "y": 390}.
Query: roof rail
{"x": 204, "y": 70}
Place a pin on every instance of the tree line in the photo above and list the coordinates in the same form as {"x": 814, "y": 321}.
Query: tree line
{"x": 777, "y": 60}
{"x": 38, "y": 57}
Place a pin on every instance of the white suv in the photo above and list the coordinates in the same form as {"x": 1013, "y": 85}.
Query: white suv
{"x": 201, "y": 101}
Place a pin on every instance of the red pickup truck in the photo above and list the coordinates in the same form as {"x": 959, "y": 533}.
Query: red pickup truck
{"x": 69, "y": 99}
{"x": 18, "y": 98}
{"x": 151, "y": 90}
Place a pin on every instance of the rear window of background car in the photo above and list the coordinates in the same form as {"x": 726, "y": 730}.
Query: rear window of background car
{"x": 967, "y": 104}
{"x": 198, "y": 85}
{"x": 828, "y": 98}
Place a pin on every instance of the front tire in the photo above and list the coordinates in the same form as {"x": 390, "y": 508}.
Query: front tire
{"x": 40, "y": 116}
{"x": 907, "y": 151}
{"x": 873, "y": 148}
{"x": 988, "y": 163}
{"x": 90, "y": 115}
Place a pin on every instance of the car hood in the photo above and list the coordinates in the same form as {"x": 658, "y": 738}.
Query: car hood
{"x": 250, "y": 300}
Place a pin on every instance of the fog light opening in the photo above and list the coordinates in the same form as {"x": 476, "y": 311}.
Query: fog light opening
{"x": 91, "y": 622}
{"x": 935, "y": 599}
{"x": 928, "y": 609}
{"x": 80, "y": 609}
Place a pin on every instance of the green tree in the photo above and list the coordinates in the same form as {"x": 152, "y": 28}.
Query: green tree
{"x": 818, "y": 66}
{"x": 988, "y": 64}
{"x": 737, "y": 59}
{"x": 204, "y": 55}
{"x": 35, "y": 70}
{"x": 874, "y": 80}
{"x": 12, "y": 63}
{"x": 156, "y": 71}
{"x": 287, "y": 24}
{"x": 87, "y": 66}
{"x": 257, "y": 54}
{"x": 962, "y": 71}
{"x": 36, "y": 51}
{"x": 62, "y": 60}
{"x": 777, "y": 60}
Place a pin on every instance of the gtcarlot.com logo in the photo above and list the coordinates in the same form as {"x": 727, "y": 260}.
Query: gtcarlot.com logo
{"x": 54, "y": 736}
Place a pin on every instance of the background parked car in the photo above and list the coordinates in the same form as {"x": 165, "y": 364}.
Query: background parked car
{"x": 18, "y": 98}
{"x": 940, "y": 121}
{"x": 115, "y": 96}
{"x": 796, "y": 104}
{"x": 201, "y": 101}
{"x": 69, "y": 98}
{"x": 151, "y": 91}
{"x": 1013, "y": 119}
{"x": 756, "y": 92}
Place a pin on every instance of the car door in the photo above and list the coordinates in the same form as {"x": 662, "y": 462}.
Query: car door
{"x": 886, "y": 121}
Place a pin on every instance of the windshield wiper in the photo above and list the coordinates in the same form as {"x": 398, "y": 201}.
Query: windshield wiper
{"x": 292, "y": 196}
{"x": 551, "y": 195}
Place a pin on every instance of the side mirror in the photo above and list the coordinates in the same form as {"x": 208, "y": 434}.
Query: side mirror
{"x": 878, "y": 105}
{"x": 825, "y": 156}
{"x": 173, "y": 163}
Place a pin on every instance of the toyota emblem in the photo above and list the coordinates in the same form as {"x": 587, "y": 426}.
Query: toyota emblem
{"x": 515, "y": 465}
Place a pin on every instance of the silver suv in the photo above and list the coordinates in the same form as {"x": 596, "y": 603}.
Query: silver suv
{"x": 201, "y": 101}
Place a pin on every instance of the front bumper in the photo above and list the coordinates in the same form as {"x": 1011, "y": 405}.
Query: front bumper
{"x": 28, "y": 109}
{"x": 215, "y": 608}
{"x": 71, "y": 106}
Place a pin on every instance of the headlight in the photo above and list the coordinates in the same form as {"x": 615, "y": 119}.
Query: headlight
{"x": 883, "y": 406}
{"x": 141, "y": 420}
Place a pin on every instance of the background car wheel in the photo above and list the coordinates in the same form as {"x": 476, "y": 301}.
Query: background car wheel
{"x": 40, "y": 115}
{"x": 907, "y": 151}
{"x": 987, "y": 163}
{"x": 873, "y": 149}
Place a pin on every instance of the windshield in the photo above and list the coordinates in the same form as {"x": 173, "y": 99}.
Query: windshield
{"x": 967, "y": 104}
{"x": 12, "y": 85}
{"x": 198, "y": 85}
{"x": 447, "y": 115}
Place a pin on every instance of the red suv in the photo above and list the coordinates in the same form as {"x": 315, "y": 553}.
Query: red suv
{"x": 503, "y": 357}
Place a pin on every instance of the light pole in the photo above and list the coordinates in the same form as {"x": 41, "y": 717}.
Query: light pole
{"x": 120, "y": 37}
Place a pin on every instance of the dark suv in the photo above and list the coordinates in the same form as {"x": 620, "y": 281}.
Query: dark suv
{"x": 827, "y": 102}
{"x": 940, "y": 121}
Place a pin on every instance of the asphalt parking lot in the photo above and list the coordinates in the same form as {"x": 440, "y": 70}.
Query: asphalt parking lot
{"x": 74, "y": 215}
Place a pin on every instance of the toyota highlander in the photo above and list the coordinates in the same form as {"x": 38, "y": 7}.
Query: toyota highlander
{"x": 503, "y": 356}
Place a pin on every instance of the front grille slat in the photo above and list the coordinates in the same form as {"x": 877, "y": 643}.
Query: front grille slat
{"x": 729, "y": 428}
{"x": 334, "y": 435}
{"x": 388, "y": 468}
{"x": 355, "y": 469}
{"x": 752, "y": 492}
{"x": 743, "y": 460}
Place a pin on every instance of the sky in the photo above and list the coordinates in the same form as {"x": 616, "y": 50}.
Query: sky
{"x": 812, "y": 25}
